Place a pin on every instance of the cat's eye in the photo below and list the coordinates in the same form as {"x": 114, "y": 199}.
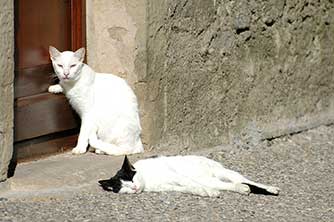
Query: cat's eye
{"x": 61, "y": 66}
{"x": 72, "y": 66}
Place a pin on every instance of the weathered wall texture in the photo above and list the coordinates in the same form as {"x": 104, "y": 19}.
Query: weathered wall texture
{"x": 116, "y": 43}
{"x": 224, "y": 71}
{"x": 6, "y": 84}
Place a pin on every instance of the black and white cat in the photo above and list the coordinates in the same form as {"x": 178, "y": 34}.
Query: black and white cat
{"x": 188, "y": 174}
{"x": 106, "y": 104}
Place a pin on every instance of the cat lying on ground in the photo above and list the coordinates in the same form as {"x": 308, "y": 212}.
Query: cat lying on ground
{"x": 188, "y": 174}
{"x": 106, "y": 104}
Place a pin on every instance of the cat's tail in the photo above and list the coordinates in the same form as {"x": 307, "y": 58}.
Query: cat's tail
{"x": 112, "y": 149}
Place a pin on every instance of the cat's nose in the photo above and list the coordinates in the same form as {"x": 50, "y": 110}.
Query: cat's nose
{"x": 66, "y": 75}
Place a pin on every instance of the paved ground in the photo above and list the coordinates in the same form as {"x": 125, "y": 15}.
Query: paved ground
{"x": 63, "y": 188}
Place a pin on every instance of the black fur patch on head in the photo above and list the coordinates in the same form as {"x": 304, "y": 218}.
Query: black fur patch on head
{"x": 126, "y": 173}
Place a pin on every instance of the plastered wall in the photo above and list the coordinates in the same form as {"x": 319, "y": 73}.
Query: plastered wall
{"x": 6, "y": 84}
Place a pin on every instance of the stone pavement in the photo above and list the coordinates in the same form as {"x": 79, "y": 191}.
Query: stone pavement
{"x": 64, "y": 187}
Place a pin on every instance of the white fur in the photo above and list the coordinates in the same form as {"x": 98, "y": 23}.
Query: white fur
{"x": 106, "y": 104}
{"x": 188, "y": 174}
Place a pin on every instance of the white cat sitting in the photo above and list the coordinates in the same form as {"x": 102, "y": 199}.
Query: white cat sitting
{"x": 188, "y": 174}
{"x": 106, "y": 104}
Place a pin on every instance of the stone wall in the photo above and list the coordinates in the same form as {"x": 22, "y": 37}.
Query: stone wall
{"x": 224, "y": 71}
{"x": 6, "y": 84}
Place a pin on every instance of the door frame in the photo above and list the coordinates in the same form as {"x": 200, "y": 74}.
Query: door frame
{"x": 78, "y": 24}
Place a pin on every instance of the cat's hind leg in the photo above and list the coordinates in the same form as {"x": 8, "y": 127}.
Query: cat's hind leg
{"x": 235, "y": 177}
{"x": 204, "y": 186}
{"x": 214, "y": 186}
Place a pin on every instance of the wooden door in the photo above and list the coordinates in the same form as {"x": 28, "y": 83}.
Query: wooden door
{"x": 44, "y": 122}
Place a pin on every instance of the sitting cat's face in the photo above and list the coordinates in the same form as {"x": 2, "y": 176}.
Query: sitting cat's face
{"x": 122, "y": 182}
{"x": 67, "y": 64}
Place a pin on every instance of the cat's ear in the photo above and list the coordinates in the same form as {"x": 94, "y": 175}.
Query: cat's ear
{"x": 80, "y": 54}
{"x": 54, "y": 53}
{"x": 127, "y": 165}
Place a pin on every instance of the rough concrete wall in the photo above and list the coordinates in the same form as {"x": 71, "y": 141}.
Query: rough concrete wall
{"x": 222, "y": 71}
{"x": 6, "y": 84}
{"x": 116, "y": 43}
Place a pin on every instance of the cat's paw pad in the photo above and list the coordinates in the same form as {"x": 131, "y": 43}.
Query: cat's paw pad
{"x": 55, "y": 89}
{"x": 78, "y": 150}
{"x": 273, "y": 190}
{"x": 242, "y": 188}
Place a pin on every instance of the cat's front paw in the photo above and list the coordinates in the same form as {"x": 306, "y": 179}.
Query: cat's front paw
{"x": 55, "y": 89}
{"x": 78, "y": 150}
